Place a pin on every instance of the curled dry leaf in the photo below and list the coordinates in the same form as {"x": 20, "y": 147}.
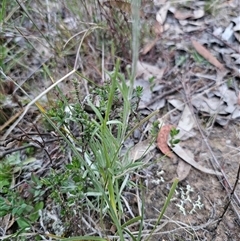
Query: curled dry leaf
{"x": 162, "y": 140}
{"x": 162, "y": 13}
{"x": 182, "y": 15}
{"x": 206, "y": 54}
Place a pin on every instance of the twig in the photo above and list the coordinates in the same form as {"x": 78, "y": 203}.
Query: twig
{"x": 231, "y": 194}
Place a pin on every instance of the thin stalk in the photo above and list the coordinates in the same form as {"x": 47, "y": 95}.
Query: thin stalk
{"x": 135, "y": 5}
{"x": 135, "y": 40}
{"x": 111, "y": 94}
{"x": 3, "y": 11}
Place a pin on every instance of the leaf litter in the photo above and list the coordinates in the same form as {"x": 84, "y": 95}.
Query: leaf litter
{"x": 212, "y": 79}
{"x": 174, "y": 22}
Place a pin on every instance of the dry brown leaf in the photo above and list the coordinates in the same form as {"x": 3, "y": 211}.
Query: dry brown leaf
{"x": 206, "y": 54}
{"x": 162, "y": 140}
{"x": 113, "y": 229}
{"x": 149, "y": 46}
{"x": 182, "y": 15}
{"x": 182, "y": 153}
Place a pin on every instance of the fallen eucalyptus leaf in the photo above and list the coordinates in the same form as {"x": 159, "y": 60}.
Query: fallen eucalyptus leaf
{"x": 162, "y": 13}
{"x": 162, "y": 140}
{"x": 206, "y": 54}
{"x": 179, "y": 151}
{"x": 182, "y": 15}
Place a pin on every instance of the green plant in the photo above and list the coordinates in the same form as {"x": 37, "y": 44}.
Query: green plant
{"x": 136, "y": 97}
{"x": 198, "y": 58}
{"x": 155, "y": 129}
{"x": 3, "y": 48}
{"x": 23, "y": 202}
{"x": 24, "y": 212}
{"x": 152, "y": 83}
{"x": 173, "y": 133}
{"x": 98, "y": 175}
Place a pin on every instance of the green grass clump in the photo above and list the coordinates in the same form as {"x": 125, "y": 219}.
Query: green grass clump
{"x": 95, "y": 172}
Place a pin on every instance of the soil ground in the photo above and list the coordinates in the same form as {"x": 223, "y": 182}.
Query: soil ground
{"x": 206, "y": 192}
